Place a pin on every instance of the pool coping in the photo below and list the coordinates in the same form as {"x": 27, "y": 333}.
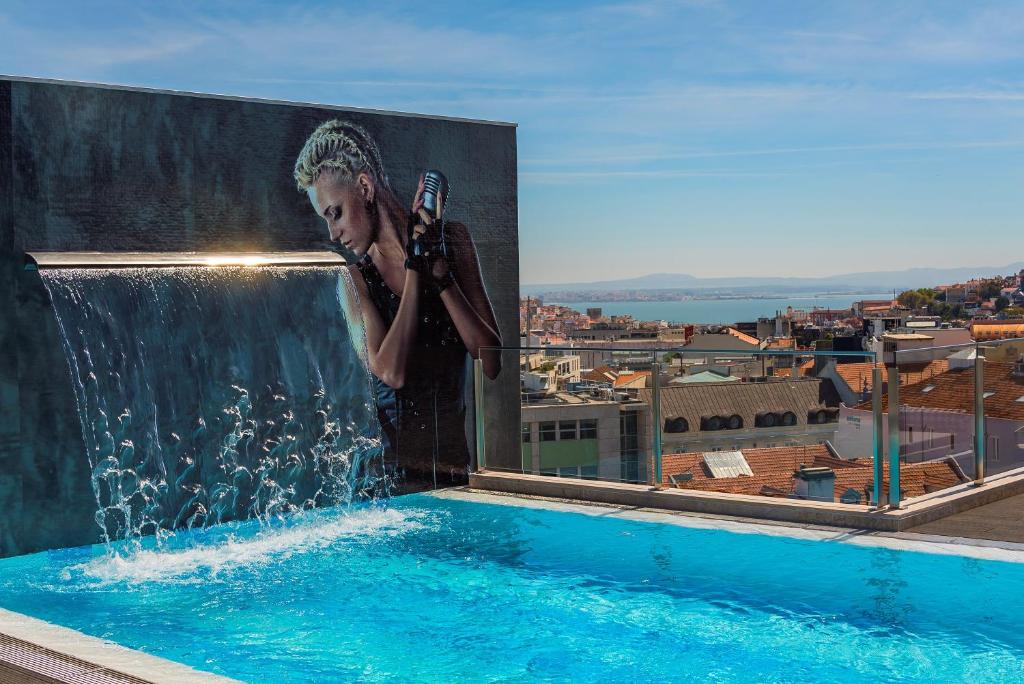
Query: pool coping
{"x": 36, "y": 651}
{"x": 913, "y": 512}
{"x": 980, "y": 549}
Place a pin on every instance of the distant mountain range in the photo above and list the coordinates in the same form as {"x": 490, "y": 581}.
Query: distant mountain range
{"x": 868, "y": 281}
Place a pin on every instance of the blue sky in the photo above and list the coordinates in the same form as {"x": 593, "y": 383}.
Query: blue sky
{"x": 696, "y": 136}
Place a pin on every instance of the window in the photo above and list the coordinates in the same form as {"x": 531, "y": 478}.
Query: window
{"x": 986, "y": 395}
{"x": 566, "y": 429}
{"x": 993, "y": 448}
{"x": 548, "y": 433}
{"x": 526, "y": 433}
{"x": 588, "y": 472}
{"x": 571, "y": 471}
{"x": 588, "y": 429}
{"x": 676, "y": 425}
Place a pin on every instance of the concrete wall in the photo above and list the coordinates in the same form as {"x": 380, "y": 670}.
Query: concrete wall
{"x": 87, "y": 168}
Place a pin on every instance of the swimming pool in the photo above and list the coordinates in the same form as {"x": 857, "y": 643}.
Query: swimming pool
{"x": 439, "y": 588}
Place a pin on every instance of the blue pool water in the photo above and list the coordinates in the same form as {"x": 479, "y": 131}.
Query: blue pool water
{"x": 434, "y": 589}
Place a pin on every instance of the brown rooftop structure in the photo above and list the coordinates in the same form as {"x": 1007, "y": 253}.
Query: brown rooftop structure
{"x": 953, "y": 390}
{"x": 774, "y": 469}
{"x": 803, "y": 398}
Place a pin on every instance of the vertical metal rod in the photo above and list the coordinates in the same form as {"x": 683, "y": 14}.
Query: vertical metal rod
{"x": 656, "y": 417}
{"x": 894, "y": 436}
{"x": 877, "y": 435}
{"x": 979, "y": 417}
{"x": 478, "y": 413}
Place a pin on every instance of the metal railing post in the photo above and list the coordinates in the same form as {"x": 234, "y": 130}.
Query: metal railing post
{"x": 894, "y": 436}
{"x": 979, "y": 417}
{"x": 656, "y": 418}
{"x": 478, "y": 413}
{"x": 877, "y": 426}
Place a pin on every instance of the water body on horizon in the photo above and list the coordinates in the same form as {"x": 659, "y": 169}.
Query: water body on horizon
{"x": 720, "y": 311}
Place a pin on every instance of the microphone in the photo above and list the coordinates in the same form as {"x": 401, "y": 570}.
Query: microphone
{"x": 435, "y": 193}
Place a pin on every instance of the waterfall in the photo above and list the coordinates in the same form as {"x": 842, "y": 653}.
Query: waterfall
{"x": 212, "y": 394}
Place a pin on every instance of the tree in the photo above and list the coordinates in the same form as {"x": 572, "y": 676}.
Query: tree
{"x": 915, "y": 299}
{"x": 1014, "y": 312}
{"x": 990, "y": 289}
{"x": 1002, "y": 303}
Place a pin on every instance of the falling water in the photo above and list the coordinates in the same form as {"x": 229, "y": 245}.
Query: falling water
{"x": 212, "y": 394}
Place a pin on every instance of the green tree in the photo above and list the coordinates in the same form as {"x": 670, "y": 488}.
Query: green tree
{"x": 1014, "y": 312}
{"x": 990, "y": 289}
{"x": 915, "y": 299}
{"x": 1002, "y": 303}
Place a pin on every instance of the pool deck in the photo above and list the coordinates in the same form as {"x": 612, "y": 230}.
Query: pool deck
{"x": 999, "y": 521}
{"x": 36, "y": 652}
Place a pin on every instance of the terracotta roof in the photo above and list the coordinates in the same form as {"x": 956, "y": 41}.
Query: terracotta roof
{"x": 599, "y": 374}
{"x": 744, "y": 337}
{"x": 781, "y": 343}
{"x": 803, "y": 370}
{"x": 857, "y": 376}
{"x": 773, "y": 470}
{"x": 630, "y": 378}
{"x": 746, "y": 399}
{"x": 954, "y": 391}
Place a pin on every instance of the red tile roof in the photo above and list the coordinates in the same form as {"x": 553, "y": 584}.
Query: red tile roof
{"x": 954, "y": 391}
{"x": 744, "y": 337}
{"x": 858, "y": 375}
{"x": 773, "y": 470}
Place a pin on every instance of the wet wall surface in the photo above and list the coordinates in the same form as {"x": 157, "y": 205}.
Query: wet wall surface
{"x": 85, "y": 168}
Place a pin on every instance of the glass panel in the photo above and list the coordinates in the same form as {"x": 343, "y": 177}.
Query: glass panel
{"x": 780, "y": 405}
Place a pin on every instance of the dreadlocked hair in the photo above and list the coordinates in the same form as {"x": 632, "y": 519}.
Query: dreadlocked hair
{"x": 344, "y": 148}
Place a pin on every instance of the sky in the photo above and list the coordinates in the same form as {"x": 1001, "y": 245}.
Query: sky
{"x": 715, "y": 138}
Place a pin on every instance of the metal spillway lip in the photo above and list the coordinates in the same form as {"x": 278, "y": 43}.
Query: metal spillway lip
{"x": 50, "y": 260}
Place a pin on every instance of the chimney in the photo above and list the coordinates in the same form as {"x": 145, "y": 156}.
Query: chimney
{"x": 815, "y": 483}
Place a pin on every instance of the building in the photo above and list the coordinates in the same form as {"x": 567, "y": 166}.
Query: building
{"x": 546, "y": 374}
{"x": 726, "y": 416}
{"x": 937, "y": 418}
{"x": 986, "y": 331}
{"x": 814, "y": 471}
{"x": 593, "y": 433}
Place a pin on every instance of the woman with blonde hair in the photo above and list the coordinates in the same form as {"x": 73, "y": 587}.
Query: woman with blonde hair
{"x": 424, "y": 309}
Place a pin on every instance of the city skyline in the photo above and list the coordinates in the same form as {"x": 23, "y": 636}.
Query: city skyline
{"x": 699, "y": 137}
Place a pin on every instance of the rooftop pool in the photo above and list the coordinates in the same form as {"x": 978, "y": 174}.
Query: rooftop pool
{"x": 451, "y": 588}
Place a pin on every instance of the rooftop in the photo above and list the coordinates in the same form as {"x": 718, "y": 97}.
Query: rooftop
{"x": 745, "y": 399}
{"x": 953, "y": 390}
{"x": 773, "y": 468}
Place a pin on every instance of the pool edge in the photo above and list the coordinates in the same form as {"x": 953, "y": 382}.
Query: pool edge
{"x": 56, "y": 649}
{"x": 898, "y": 541}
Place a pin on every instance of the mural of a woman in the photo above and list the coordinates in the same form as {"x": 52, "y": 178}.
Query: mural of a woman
{"x": 423, "y": 314}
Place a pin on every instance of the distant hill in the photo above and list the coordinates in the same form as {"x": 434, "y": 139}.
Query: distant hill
{"x": 868, "y": 281}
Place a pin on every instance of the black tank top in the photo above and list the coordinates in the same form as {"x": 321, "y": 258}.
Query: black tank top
{"x": 424, "y": 421}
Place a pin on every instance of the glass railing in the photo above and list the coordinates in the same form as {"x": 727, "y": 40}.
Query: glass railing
{"x": 769, "y": 422}
{"x": 959, "y": 411}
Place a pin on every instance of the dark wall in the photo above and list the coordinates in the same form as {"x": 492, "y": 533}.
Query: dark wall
{"x": 86, "y": 168}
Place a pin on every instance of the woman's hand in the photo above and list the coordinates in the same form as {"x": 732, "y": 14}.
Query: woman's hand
{"x": 425, "y": 240}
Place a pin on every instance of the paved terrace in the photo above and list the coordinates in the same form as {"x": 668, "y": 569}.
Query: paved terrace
{"x": 998, "y": 521}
